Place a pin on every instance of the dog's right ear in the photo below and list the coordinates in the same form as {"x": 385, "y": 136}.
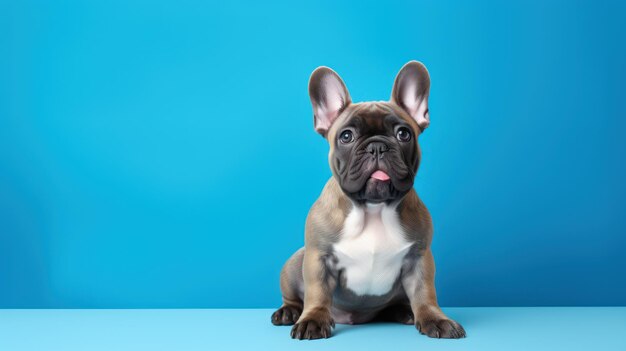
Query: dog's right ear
{"x": 329, "y": 96}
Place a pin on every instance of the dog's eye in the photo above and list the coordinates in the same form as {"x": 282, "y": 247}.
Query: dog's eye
{"x": 403, "y": 134}
{"x": 346, "y": 137}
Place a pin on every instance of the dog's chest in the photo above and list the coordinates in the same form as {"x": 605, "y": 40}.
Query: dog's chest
{"x": 371, "y": 249}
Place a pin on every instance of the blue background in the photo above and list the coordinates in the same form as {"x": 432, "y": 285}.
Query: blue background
{"x": 162, "y": 154}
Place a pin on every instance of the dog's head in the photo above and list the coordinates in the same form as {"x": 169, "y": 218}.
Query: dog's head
{"x": 374, "y": 154}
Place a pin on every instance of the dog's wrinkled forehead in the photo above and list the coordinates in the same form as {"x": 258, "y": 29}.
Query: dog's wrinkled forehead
{"x": 372, "y": 118}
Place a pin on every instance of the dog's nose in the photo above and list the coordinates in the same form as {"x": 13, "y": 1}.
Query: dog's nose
{"x": 377, "y": 148}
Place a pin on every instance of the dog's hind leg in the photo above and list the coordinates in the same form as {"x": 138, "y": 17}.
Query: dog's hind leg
{"x": 292, "y": 289}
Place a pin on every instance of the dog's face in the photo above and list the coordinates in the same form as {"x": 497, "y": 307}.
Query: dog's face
{"x": 374, "y": 154}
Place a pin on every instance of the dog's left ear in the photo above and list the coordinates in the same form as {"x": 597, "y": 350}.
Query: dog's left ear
{"x": 410, "y": 91}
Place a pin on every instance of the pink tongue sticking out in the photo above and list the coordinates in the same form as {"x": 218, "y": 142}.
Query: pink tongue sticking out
{"x": 380, "y": 175}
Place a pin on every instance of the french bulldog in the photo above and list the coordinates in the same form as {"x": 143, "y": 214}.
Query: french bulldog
{"x": 367, "y": 237}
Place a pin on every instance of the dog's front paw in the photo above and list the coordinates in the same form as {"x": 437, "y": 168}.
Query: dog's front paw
{"x": 441, "y": 328}
{"x": 312, "y": 329}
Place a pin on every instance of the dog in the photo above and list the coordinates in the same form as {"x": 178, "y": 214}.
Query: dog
{"x": 367, "y": 237}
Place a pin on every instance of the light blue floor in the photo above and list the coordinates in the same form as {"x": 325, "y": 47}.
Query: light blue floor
{"x": 559, "y": 328}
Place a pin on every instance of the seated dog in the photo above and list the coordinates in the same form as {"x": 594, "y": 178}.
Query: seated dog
{"x": 367, "y": 238}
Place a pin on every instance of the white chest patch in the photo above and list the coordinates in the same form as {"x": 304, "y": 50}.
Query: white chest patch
{"x": 371, "y": 249}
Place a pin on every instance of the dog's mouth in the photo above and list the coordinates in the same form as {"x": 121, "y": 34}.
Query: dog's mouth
{"x": 379, "y": 181}
{"x": 377, "y": 188}
{"x": 380, "y": 175}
